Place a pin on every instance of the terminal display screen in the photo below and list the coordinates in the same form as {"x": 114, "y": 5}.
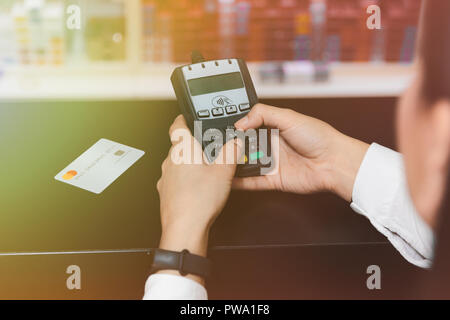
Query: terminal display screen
{"x": 216, "y": 83}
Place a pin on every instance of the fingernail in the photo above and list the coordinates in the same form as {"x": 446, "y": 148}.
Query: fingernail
{"x": 242, "y": 122}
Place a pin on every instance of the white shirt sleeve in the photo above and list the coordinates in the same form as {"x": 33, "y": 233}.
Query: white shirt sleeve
{"x": 172, "y": 287}
{"x": 381, "y": 194}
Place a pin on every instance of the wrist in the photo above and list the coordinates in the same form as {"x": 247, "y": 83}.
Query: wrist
{"x": 345, "y": 164}
{"x": 180, "y": 236}
{"x": 177, "y": 238}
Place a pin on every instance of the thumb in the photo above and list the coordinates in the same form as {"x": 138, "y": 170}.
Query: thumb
{"x": 262, "y": 114}
{"x": 231, "y": 152}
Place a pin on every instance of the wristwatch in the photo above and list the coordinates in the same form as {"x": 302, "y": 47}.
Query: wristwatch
{"x": 185, "y": 262}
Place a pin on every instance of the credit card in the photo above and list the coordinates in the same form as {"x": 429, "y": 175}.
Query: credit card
{"x": 99, "y": 166}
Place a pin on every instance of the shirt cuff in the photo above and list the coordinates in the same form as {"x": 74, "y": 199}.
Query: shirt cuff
{"x": 381, "y": 194}
{"x": 172, "y": 287}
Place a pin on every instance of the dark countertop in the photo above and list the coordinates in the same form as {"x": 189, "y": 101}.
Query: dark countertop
{"x": 38, "y": 213}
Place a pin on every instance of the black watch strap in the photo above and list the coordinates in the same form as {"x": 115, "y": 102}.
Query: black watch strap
{"x": 184, "y": 262}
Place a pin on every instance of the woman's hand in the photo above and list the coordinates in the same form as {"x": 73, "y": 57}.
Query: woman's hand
{"x": 313, "y": 156}
{"x": 193, "y": 195}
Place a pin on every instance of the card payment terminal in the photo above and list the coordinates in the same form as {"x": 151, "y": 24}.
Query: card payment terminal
{"x": 218, "y": 93}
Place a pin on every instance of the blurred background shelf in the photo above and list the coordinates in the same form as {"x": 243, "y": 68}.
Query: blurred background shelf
{"x": 127, "y": 49}
{"x": 152, "y": 81}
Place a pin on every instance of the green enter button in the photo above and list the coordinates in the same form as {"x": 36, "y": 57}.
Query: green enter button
{"x": 256, "y": 155}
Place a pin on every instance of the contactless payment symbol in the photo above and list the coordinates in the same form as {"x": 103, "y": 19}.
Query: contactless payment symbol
{"x": 69, "y": 174}
{"x": 221, "y": 101}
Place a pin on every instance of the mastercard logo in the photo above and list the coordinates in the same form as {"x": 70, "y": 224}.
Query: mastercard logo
{"x": 69, "y": 175}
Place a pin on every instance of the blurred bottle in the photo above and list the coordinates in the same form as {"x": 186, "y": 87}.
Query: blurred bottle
{"x": 105, "y": 30}
{"x": 317, "y": 10}
{"x": 226, "y": 10}
{"x": 148, "y": 31}
{"x": 7, "y": 43}
{"x": 408, "y": 45}
{"x": 53, "y": 17}
{"x": 22, "y": 33}
{"x": 164, "y": 40}
{"x": 302, "y": 41}
{"x": 75, "y": 44}
{"x": 243, "y": 9}
{"x": 34, "y": 9}
{"x": 378, "y": 46}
